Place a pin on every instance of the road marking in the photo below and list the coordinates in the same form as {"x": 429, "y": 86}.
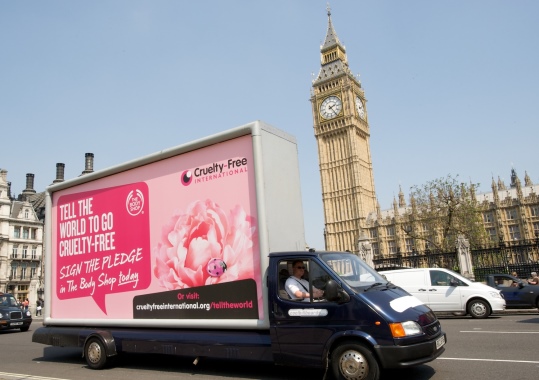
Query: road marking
{"x": 502, "y": 332}
{"x": 21, "y": 376}
{"x": 491, "y": 360}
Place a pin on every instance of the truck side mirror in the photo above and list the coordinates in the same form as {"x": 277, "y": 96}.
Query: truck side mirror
{"x": 333, "y": 292}
{"x": 453, "y": 282}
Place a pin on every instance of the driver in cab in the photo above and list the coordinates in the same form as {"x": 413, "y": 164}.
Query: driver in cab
{"x": 298, "y": 288}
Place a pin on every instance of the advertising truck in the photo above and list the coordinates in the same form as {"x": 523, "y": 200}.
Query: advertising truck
{"x": 188, "y": 252}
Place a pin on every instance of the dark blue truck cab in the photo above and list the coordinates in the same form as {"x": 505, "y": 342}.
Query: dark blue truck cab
{"x": 362, "y": 323}
{"x": 358, "y": 325}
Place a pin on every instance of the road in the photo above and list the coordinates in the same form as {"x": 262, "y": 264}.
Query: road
{"x": 499, "y": 347}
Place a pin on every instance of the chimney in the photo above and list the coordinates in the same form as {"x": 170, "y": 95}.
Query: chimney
{"x": 89, "y": 164}
{"x": 29, "y": 187}
{"x": 30, "y": 183}
{"x": 59, "y": 173}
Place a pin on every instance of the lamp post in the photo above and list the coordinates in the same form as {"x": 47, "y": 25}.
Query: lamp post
{"x": 8, "y": 283}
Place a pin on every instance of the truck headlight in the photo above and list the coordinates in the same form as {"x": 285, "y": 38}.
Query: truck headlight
{"x": 28, "y": 313}
{"x": 400, "y": 330}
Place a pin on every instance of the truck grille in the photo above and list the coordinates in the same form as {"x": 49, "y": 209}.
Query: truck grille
{"x": 433, "y": 329}
{"x": 15, "y": 315}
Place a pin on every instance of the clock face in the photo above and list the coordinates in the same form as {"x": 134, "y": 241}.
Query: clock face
{"x": 330, "y": 107}
{"x": 359, "y": 107}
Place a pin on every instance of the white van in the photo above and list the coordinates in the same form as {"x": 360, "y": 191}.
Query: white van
{"x": 446, "y": 291}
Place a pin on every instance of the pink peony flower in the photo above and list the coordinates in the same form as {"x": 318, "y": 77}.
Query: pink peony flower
{"x": 204, "y": 235}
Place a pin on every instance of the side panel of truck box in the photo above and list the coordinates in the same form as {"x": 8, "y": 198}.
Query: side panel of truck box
{"x": 179, "y": 238}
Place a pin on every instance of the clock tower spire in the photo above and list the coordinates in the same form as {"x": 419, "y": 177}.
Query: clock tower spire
{"x": 341, "y": 129}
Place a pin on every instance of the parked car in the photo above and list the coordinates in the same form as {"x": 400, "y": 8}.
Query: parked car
{"x": 446, "y": 291}
{"x": 517, "y": 293}
{"x": 12, "y": 316}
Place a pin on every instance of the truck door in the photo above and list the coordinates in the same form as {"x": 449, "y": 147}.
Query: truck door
{"x": 300, "y": 327}
{"x": 444, "y": 292}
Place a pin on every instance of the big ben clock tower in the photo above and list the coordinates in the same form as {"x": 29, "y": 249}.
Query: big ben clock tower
{"x": 341, "y": 129}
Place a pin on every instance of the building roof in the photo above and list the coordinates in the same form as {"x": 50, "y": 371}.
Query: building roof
{"x": 508, "y": 193}
{"x": 511, "y": 193}
{"x": 336, "y": 67}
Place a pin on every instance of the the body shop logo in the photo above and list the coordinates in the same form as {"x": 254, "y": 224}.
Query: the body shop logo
{"x": 213, "y": 171}
{"x": 134, "y": 202}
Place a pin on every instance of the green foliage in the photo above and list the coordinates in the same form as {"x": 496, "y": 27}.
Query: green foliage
{"x": 442, "y": 210}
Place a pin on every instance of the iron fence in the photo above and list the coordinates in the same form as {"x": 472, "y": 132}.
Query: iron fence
{"x": 416, "y": 259}
{"x": 521, "y": 257}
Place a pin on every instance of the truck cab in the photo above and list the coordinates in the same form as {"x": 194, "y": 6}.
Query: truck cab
{"x": 359, "y": 324}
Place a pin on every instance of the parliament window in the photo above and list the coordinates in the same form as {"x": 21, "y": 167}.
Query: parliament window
{"x": 511, "y": 214}
{"x": 514, "y": 232}
{"x": 409, "y": 245}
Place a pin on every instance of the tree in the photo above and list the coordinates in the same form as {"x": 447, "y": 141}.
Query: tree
{"x": 440, "y": 211}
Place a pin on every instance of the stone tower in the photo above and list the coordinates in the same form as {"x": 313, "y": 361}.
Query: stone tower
{"x": 341, "y": 129}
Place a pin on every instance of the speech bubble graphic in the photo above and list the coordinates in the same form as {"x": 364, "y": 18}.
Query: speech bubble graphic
{"x": 102, "y": 243}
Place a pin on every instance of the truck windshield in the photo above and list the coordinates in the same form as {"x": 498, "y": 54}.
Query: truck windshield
{"x": 352, "y": 270}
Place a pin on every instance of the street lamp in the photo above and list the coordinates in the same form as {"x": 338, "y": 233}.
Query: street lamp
{"x": 8, "y": 283}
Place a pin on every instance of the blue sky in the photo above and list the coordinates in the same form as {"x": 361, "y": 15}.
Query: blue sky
{"x": 452, "y": 87}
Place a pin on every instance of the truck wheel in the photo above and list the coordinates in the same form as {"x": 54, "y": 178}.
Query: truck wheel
{"x": 354, "y": 362}
{"x": 95, "y": 354}
{"x": 478, "y": 309}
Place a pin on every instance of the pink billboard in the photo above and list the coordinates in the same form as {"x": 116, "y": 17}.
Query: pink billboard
{"x": 172, "y": 239}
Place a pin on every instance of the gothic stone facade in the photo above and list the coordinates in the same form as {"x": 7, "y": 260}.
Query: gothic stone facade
{"x": 342, "y": 133}
{"x": 351, "y": 211}
{"x": 510, "y": 214}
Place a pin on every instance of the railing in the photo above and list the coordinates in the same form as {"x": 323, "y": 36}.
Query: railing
{"x": 521, "y": 257}
{"x": 415, "y": 259}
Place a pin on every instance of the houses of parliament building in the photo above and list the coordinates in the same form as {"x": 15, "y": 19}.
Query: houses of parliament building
{"x": 351, "y": 211}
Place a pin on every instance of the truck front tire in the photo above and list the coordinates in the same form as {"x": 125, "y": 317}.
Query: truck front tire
{"x": 353, "y": 361}
{"x": 95, "y": 353}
